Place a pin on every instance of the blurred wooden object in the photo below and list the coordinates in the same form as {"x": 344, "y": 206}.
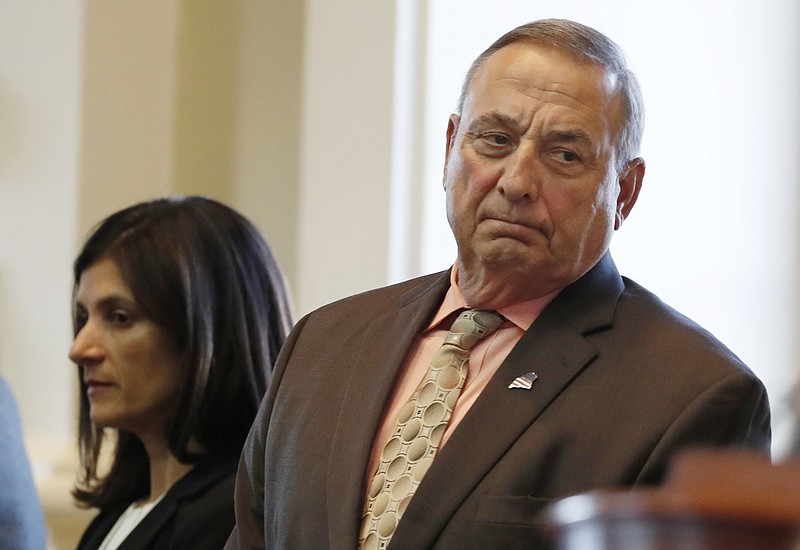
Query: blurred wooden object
{"x": 712, "y": 500}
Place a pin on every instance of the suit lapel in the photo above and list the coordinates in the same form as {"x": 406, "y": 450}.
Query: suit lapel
{"x": 377, "y": 361}
{"x": 555, "y": 347}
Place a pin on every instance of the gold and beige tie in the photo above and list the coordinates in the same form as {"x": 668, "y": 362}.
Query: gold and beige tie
{"x": 421, "y": 424}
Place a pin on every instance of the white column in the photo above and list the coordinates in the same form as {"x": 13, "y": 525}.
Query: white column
{"x": 346, "y": 149}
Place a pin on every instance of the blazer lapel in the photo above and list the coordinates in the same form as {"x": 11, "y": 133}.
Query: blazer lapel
{"x": 147, "y": 531}
{"x": 197, "y": 480}
{"x": 377, "y": 361}
{"x": 97, "y": 530}
{"x": 556, "y": 349}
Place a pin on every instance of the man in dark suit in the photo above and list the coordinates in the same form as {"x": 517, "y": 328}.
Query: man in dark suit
{"x": 590, "y": 381}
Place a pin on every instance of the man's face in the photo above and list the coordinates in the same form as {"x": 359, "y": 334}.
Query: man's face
{"x": 532, "y": 192}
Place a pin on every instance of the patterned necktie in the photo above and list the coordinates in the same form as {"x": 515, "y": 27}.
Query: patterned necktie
{"x": 421, "y": 424}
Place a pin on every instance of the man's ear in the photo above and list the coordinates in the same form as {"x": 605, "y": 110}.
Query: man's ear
{"x": 630, "y": 183}
{"x": 452, "y": 129}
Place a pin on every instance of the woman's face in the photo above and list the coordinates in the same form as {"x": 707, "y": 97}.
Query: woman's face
{"x": 129, "y": 365}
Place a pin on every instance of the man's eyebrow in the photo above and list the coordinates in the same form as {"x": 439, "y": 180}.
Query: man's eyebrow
{"x": 489, "y": 121}
{"x": 568, "y": 136}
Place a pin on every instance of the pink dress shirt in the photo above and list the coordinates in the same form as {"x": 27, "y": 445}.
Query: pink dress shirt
{"x": 484, "y": 360}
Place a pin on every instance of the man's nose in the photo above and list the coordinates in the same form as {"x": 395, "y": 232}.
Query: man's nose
{"x": 521, "y": 177}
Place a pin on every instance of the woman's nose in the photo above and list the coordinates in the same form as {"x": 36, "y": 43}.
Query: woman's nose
{"x": 86, "y": 345}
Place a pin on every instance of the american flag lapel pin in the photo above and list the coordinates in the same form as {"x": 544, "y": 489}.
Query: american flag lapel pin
{"x": 523, "y": 382}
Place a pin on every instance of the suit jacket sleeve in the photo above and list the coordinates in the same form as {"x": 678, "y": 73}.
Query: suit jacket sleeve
{"x": 248, "y": 531}
{"x": 733, "y": 412}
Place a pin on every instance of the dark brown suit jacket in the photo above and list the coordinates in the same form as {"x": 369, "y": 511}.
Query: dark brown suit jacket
{"x": 623, "y": 383}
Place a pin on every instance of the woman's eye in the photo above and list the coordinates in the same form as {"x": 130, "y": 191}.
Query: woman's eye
{"x": 80, "y": 319}
{"x": 119, "y": 317}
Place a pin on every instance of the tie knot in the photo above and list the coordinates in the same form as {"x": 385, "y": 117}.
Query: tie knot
{"x": 471, "y": 326}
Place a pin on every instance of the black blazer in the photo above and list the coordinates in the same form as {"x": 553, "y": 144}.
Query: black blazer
{"x": 624, "y": 382}
{"x": 195, "y": 514}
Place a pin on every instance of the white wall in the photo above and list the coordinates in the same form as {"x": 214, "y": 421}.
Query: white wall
{"x": 346, "y": 149}
{"x": 40, "y": 100}
{"x": 714, "y": 232}
{"x": 40, "y": 64}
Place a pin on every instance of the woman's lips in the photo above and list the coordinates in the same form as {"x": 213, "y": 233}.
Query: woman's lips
{"x": 93, "y": 387}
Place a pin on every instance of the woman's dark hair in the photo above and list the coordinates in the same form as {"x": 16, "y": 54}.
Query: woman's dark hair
{"x": 202, "y": 272}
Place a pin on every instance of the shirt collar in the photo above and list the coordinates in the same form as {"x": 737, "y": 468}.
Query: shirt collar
{"x": 522, "y": 314}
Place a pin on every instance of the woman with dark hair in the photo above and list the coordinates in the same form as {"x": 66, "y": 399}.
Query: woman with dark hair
{"x": 179, "y": 313}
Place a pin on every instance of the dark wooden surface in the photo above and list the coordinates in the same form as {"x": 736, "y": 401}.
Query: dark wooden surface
{"x": 713, "y": 500}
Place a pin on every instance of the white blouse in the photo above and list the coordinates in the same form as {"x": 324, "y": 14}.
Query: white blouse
{"x": 126, "y": 523}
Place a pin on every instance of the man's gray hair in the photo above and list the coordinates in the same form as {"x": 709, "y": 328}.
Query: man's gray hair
{"x": 584, "y": 43}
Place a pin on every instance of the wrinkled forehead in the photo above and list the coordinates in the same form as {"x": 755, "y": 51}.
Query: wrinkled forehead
{"x": 551, "y": 74}
{"x": 542, "y": 65}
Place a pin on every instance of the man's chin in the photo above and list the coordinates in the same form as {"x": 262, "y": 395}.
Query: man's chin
{"x": 510, "y": 253}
